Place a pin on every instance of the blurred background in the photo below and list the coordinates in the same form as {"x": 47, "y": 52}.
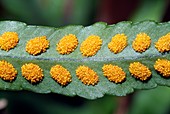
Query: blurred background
{"x": 57, "y": 13}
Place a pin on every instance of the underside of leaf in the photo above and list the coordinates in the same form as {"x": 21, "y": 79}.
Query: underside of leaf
{"x": 72, "y": 60}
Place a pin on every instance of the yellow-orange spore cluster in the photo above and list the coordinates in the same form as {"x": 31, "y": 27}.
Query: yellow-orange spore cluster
{"x": 163, "y": 43}
{"x": 141, "y": 43}
{"x": 91, "y": 45}
{"x": 139, "y": 71}
{"x": 32, "y": 72}
{"x": 118, "y": 43}
{"x": 67, "y": 44}
{"x": 37, "y": 45}
{"x": 7, "y": 71}
{"x": 8, "y": 40}
{"x": 87, "y": 75}
{"x": 163, "y": 67}
{"x": 60, "y": 74}
{"x": 114, "y": 73}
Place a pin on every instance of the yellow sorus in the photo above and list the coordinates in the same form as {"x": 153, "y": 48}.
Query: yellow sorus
{"x": 67, "y": 44}
{"x": 7, "y": 71}
{"x": 60, "y": 74}
{"x": 32, "y": 72}
{"x": 139, "y": 71}
{"x": 141, "y": 43}
{"x": 163, "y": 67}
{"x": 90, "y": 45}
{"x": 37, "y": 45}
{"x": 114, "y": 73}
{"x": 118, "y": 43}
{"x": 8, "y": 40}
{"x": 87, "y": 75}
{"x": 163, "y": 43}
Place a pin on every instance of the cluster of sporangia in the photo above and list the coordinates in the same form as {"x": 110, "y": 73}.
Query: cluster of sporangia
{"x": 89, "y": 47}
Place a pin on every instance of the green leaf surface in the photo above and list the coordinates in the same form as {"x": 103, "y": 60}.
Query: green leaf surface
{"x": 157, "y": 101}
{"x": 150, "y": 10}
{"x": 18, "y": 56}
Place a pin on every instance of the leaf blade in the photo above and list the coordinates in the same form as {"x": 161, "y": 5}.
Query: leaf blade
{"x": 18, "y": 57}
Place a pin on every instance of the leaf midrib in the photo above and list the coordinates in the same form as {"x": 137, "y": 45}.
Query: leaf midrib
{"x": 84, "y": 59}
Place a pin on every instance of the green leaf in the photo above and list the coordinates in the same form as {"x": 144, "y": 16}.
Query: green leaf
{"x": 48, "y": 12}
{"x": 150, "y": 10}
{"x": 140, "y": 98}
{"x": 18, "y": 56}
